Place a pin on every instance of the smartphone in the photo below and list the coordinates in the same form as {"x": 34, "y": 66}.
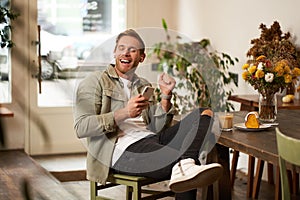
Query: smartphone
{"x": 148, "y": 92}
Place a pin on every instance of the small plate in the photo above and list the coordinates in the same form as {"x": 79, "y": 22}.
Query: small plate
{"x": 242, "y": 127}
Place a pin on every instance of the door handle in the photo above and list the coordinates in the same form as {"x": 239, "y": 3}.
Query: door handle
{"x": 38, "y": 43}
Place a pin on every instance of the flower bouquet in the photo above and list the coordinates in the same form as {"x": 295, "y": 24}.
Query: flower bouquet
{"x": 274, "y": 65}
{"x": 267, "y": 76}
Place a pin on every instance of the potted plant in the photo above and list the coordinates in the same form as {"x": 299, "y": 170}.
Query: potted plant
{"x": 201, "y": 72}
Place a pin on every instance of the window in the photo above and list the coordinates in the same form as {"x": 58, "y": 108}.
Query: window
{"x": 5, "y": 66}
{"x": 70, "y": 30}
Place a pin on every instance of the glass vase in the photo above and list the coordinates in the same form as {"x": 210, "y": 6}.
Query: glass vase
{"x": 267, "y": 109}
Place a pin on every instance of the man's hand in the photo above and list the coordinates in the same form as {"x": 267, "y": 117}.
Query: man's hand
{"x": 134, "y": 108}
{"x": 166, "y": 83}
{"x": 136, "y": 105}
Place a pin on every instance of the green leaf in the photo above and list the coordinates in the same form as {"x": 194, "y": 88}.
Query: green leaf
{"x": 164, "y": 24}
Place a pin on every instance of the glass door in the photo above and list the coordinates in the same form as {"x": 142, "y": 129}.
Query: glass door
{"x": 69, "y": 31}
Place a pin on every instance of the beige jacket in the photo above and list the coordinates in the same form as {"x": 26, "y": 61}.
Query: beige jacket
{"x": 97, "y": 97}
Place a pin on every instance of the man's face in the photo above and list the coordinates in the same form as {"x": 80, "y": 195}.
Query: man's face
{"x": 127, "y": 55}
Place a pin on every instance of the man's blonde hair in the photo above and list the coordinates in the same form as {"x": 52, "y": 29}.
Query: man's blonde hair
{"x": 132, "y": 33}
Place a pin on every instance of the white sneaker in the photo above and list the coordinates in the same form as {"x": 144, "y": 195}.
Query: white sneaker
{"x": 186, "y": 175}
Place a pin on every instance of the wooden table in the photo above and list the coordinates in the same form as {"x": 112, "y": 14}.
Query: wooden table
{"x": 250, "y": 102}
{"x": 18, "y": 170}
{"x": 261, "y": 145}
{"x": 5, "y": 112}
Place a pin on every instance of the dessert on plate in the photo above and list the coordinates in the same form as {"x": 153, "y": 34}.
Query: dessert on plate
{"x": 251, "y": 120}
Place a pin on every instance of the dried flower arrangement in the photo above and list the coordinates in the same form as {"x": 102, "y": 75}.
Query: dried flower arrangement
{"x": 273, "y": 66}
{"x": 276, "y": 47}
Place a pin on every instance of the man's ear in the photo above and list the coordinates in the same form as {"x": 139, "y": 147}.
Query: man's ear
{"x": 142, "y": 57}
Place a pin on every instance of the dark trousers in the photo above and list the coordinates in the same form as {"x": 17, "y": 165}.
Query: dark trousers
{"x": 154, "y": 156}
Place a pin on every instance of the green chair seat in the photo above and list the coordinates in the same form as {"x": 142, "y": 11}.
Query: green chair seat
{"x": 134, "y": 188}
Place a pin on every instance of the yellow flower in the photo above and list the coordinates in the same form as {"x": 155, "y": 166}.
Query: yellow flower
{"x": 287, "y": 78}
{"x": 296, "y": 71}
{"x": 252, "y": 69}
{"x": 245, "y": 66}
{"x": 284, "y": 62}
{"x": 260, "y": 58}
{"x": 287, "y": 69}
{"x": 263, "y": 74}
{"x": 280, "y": 64}
{"x": 279, "y": 70}
{"x": 259, "y": 74}
{"x": 245, "y": 75}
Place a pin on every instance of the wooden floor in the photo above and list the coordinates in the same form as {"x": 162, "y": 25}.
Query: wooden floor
{"x": 81, "y": 189}
{"x": 16, "y": 166}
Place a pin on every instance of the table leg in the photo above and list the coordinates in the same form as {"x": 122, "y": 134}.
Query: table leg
{"x": 270, "y": 174}
{"x": 277, "y": 184}
{"x": 224, "y": 182}
{"x": 251, "y": 162}
{"x": 295, "y": 182}
{"x": 257, "y": 180}
{"x": 235, "y": 158}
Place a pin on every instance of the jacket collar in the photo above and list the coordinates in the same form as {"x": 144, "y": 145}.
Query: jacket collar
{"x": 112, "y": 73}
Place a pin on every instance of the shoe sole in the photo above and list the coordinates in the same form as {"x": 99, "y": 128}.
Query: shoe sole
{"x": 205, "y": 178}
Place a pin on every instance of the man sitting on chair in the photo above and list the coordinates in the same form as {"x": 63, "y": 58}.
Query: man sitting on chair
{"x": 129, "y": 133}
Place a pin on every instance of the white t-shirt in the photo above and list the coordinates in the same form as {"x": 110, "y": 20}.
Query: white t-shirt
{"x": 131, "y": 130}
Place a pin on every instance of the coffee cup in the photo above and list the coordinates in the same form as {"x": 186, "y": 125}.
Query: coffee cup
{"x": 226, "y": 121}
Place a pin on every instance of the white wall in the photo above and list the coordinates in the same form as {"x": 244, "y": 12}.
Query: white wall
{"x": 149, "y": 13}
{"x": 231, "y": 24}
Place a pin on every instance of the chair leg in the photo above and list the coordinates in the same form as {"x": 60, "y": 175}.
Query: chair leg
{"x": 257, "y": 180}
{"x": 137, "y": 191}
{"x": 93, "y": 190}
{"x": 129, "y": 191}
{"x": 235, "y": 158}
{"x": 216, "y": 190}
{"x": 251, "y": 162}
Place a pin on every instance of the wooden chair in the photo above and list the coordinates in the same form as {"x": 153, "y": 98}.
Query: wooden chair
{"x": 288, "y": 150}
{"x": 134, "y": 188}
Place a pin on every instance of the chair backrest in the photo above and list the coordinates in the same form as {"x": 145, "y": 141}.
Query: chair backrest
{"x": 288, "y": 150}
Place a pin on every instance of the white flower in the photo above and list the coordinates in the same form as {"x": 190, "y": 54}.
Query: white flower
{"x": 269, "y": 77}
{"x": 260, "y": 66}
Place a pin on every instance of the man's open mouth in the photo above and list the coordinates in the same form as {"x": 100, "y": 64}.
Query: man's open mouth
{"x": 125, "y": 61}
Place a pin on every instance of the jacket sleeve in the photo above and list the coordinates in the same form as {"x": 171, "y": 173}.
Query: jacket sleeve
{"x": 88, "y": 102}
{"x": 157, "y": 119}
